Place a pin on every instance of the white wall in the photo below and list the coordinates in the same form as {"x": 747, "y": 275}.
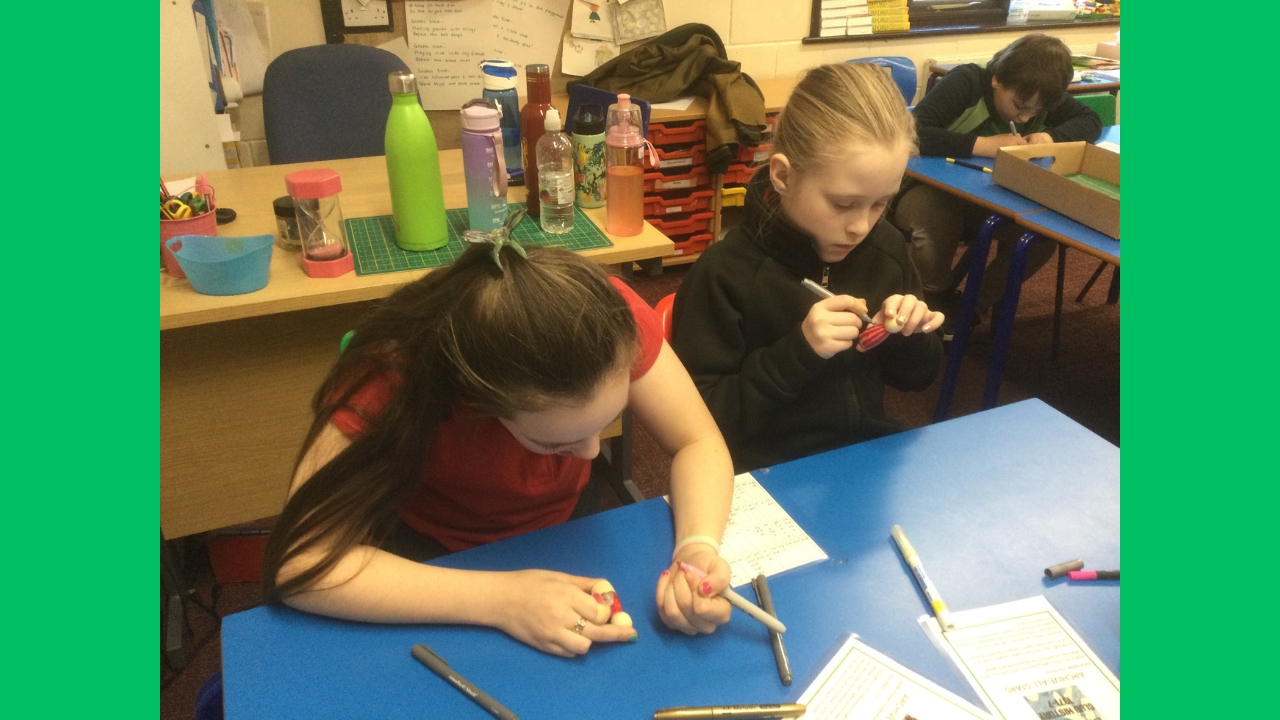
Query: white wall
{"x": 188, "y": 131}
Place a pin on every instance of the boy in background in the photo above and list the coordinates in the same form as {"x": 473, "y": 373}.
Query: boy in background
{"x": 1019, "y": 98}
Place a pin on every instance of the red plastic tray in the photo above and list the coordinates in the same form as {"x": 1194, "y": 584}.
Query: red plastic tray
{"x": 672, "y": 159}
{"x": 657, "y": 181}
{"x": 696, "y": 222}
{"x": 754, "y": 154}
{"x": 676, "y": 133}
{"x": 737, "y": 173}
{"x": 682, "y": 202}
{"x": 693, "y": 244}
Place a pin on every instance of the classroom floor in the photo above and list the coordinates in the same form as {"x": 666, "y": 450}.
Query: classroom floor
{"x": 1084, "y": 384}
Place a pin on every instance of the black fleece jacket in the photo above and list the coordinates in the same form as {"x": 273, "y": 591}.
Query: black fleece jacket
{"x": 736, "y": 327}
{"x": 963, "y": 88}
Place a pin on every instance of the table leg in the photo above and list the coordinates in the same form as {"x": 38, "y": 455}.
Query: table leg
{"x": 1004, "y": 324}
{"x": 614, "y": 462}
{"x": 1057, "y": 301}
{"x": 1092, "y": 279}
{"x": 977, "y": 267}
{"x": 1113, "y": 292}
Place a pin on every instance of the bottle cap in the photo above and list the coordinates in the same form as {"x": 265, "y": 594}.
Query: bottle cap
{"x": 537, "y": 69}
{"x": 589, "y": 120}
{"x": 480, "y": 115}
{"x": 498, "y": 75}
{"x": 552, "y": 123}
{"x": 402, "y": 82}
{"x": 624, "y": 101}
{"x": 283, "y": 207}
{"x": 312, "y": 184}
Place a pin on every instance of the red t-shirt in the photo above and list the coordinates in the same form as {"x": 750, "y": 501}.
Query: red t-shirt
{"x": 479, "y": 484}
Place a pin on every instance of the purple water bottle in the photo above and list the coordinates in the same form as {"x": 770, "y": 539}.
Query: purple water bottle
{"x": 484, "y": 166}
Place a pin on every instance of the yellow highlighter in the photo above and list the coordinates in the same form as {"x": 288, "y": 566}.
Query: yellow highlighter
{"x": 917, "y": 569}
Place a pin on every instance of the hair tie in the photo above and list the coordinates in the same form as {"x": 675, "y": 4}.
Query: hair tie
{"x": 500, "y": 238}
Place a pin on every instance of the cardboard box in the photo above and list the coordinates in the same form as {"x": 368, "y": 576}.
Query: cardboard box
{"x": 1088, "y": 206}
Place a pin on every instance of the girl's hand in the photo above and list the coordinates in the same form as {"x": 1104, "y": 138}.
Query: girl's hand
{"x": 689, "y": 603}
{"x": 832, "y": 324}
{"x": 909, "y": 314}
{"x": 1039, "y": 138}
{"x": 540, "y": 608}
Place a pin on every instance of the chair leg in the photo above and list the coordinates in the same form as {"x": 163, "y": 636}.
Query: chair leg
{"x": 968, "y": 302}
{"x": 1113, "y": 292}
{"x": 614, "y": 462}
{"x": 1092, "y": 279}
{"x": 1057, "y": 302}
{"x": 1004, "y": 324}
{"x": 176, "y": 592}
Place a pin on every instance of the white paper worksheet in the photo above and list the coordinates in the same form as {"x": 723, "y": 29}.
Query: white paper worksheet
{"x": 1027, "y": 663}
{"x": 861, "y": 684}
{"x": 760, "y": 536}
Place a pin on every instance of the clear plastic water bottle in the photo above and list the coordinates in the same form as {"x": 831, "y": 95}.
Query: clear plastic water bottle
{"x": 555, "y": 177}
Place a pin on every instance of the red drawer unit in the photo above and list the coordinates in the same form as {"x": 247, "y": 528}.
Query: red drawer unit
{"x": 695, "y": 223}
{"x": 754, "y": 154}
{"x": 679, "y": 201}
{"x": 675, "y": 158}
{"x": 695, "y": 243}
{"x": 771, "y": 123}
{"x": 658, "y": 181}
{"x": 677, "y": 133}
{"x": 737, "y": 173}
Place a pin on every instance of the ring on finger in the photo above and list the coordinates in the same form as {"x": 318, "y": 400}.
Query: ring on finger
{"x": 578, "y": 627}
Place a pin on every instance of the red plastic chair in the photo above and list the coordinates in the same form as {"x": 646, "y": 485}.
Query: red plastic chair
{"x": 664, "y": 311}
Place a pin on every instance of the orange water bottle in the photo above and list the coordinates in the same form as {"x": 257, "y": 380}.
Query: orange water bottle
{"x": 624, "y": 145}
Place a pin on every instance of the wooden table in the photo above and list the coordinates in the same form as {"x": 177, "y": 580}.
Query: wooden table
{"x": 237, "y": 373}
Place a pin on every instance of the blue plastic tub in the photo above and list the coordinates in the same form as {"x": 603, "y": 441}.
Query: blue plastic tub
{"x": 224, "y": 265}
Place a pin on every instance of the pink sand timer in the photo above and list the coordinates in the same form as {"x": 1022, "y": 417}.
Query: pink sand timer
{"x": 324, "y": 243}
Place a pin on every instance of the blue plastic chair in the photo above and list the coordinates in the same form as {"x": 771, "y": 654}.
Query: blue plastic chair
{"x": 209, "y": 699}
{"x": 327, "y": 102}
{"x": 901, "y": 68}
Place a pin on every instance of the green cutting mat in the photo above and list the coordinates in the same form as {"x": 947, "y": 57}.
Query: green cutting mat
{"x": 1110, "y": 190}
{"x": 373, "y": 241}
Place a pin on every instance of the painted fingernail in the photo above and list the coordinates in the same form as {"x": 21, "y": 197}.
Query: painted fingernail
{"x": 633, "y": 638}
{"x": 925, "y": 328}
{"x": 666, "y": 573}
{"x": 902, "y": 319}
{"x": 599, "y": 598}
{"x": 706, "y": 589}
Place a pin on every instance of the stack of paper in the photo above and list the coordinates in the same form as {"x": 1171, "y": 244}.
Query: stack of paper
{"x": 844, "y": 17}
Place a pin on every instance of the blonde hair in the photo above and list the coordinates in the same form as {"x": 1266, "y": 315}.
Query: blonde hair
{"x": 836, "y": 105}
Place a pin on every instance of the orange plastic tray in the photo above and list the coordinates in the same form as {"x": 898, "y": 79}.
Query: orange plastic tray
{"x": 754, "y": 154}
{"x": 737, "y": 173}
{"x": 683, "y": 202}
{"x": 659, "y": 181}
{"x": 676, "y": 133}
{"x": 694, "y": 244}
{"x": 696, "y": 222}
{"x": 676, "y": 158}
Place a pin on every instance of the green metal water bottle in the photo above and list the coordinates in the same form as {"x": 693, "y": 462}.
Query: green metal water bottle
{"x": 413, "y": 168}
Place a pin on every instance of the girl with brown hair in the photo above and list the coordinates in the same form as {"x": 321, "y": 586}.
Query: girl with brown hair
{"x": 467, "y": 409}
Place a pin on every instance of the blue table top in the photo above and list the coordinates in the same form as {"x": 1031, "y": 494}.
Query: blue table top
{"x": 1066, "y": 227}
{"x": 989, "y": 500}
{"x": 972, "y": 182}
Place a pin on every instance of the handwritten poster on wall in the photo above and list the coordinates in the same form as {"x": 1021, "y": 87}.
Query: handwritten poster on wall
{"x": 449, "y": 38}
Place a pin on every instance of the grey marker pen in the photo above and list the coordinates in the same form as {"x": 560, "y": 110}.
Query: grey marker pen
{"x": 437, "y": 665}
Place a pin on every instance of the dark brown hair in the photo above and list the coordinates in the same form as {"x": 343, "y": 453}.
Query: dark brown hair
{"x": 1035, "y": 66}
{"x": 549, "y": 329}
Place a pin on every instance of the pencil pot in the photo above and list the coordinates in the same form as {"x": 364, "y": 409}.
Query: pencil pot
{"x": 224, "y": 265}
{"x": 205, "y": 224}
